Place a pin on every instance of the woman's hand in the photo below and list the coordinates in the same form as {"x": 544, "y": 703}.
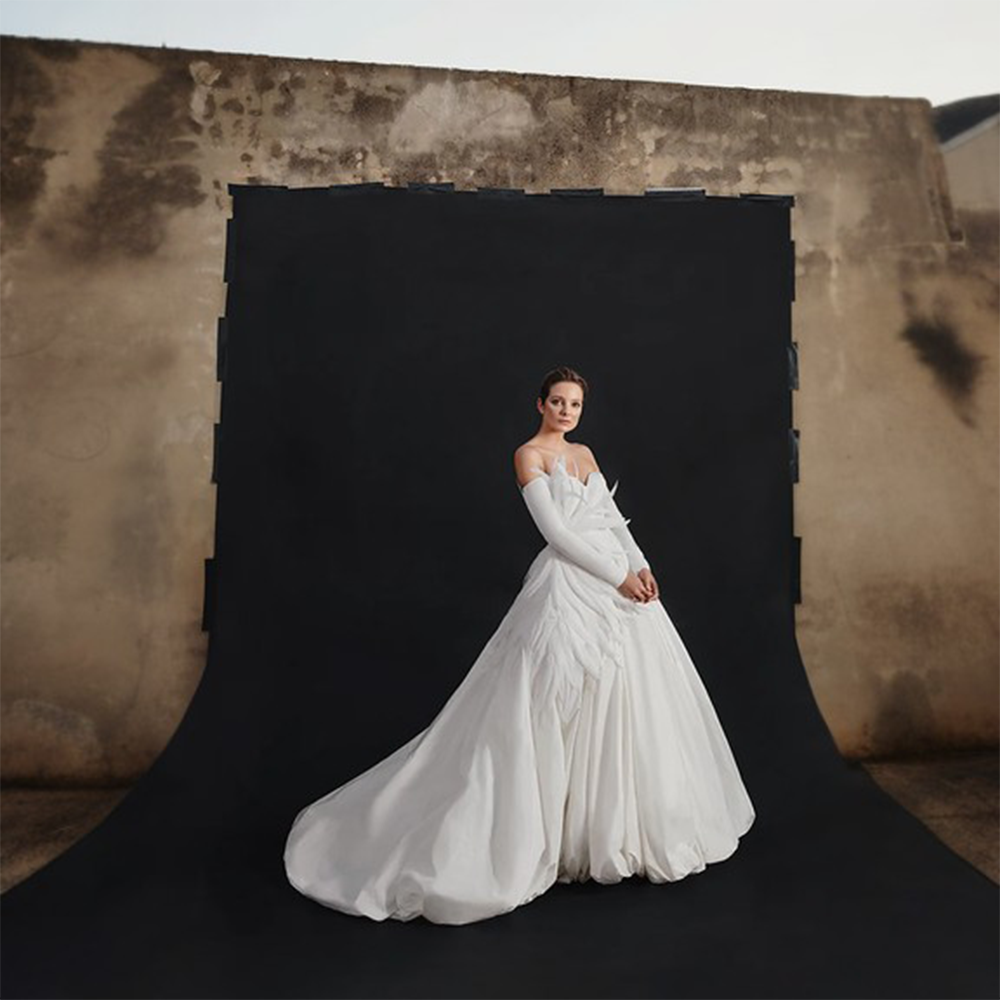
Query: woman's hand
{"x": 652, "y": 587}
{"x": 635, "y": 588}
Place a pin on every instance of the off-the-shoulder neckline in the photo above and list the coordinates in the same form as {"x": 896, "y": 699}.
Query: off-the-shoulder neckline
{"x": 556, "y": 464}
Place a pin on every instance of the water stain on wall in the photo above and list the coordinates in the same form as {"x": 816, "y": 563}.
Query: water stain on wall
{"x": 144, "y": 176}
{"x": 47, "y": 743}
{"x": 905, "y": 717}
{"x": 24, "y": 87}
{"x": 374, "y": 109}
{"x": 286, "y": 104}
{"x": 956, "y": 367}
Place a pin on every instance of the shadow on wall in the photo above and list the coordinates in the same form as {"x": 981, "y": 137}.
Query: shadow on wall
{"x": 905, "y": 715}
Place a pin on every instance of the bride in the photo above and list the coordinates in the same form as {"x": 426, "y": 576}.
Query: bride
{"x": 580, "y": 745}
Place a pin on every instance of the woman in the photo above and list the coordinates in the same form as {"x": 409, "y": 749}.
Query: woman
{"x": 580, "y": 744}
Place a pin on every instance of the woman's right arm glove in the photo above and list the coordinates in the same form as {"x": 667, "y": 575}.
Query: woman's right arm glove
{"x": 563, "y": 539}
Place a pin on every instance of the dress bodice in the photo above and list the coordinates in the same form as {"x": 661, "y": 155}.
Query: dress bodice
{"x": 585, "y": 504}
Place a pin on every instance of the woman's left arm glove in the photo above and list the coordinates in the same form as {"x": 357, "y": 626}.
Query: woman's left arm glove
{"x": 636, "y": 560}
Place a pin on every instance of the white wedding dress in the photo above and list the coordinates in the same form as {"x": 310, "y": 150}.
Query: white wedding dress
{"x": 581, "y": 744}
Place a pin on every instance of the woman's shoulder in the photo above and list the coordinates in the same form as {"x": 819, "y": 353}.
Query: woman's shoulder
{"x": 530, "y": 450}
{"x": 582, "y": 453}
{"x": 527, "y": 456}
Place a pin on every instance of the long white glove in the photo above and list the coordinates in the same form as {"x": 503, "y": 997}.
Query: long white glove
{"x": 563, "y": 539}
{"x": 636, "y": 560}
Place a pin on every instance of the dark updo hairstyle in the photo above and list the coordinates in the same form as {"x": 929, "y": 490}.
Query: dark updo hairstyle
{"x": 562, "y": 374}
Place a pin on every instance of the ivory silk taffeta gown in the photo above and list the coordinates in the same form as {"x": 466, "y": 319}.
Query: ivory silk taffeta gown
{"x": 580, "y": 744}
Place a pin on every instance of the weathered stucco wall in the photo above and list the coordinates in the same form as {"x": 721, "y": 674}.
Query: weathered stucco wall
{"x": 115, "y": 163}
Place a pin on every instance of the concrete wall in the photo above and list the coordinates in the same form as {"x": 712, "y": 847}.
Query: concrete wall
{"x": 972, "y": 161}
{"x": 115, "y": 162}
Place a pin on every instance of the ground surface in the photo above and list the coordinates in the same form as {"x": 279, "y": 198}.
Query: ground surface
{"x": 957, "y": 797}
{"x": 38, "y": 824}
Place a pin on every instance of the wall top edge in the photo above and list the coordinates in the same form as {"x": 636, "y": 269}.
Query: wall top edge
{"x": 451, "y": 71}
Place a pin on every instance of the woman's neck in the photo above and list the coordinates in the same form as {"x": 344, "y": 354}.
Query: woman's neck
{"x": 554, "y": 442}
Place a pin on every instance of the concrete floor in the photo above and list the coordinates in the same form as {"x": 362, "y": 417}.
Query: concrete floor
{"x": 957, "y": 797}
{"x": 38, "y": 824}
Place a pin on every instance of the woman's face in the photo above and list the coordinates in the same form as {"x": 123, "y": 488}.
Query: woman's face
{"x": 561, "y": 411}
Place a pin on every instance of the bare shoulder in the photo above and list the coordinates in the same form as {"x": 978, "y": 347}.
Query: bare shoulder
{"x": 527, "y": 459}
{"x": 585, "y": 452}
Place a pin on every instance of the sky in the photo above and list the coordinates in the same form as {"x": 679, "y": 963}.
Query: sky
{"x": 942, "y": 50}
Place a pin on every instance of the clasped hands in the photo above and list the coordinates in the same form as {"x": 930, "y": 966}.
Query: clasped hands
{"x": 641, "y": 586}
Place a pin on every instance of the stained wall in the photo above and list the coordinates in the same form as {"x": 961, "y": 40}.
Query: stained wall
{"x": 113, "y": 204}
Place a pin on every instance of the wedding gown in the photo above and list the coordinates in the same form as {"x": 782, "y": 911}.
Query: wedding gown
{"x": 580, "y": 744}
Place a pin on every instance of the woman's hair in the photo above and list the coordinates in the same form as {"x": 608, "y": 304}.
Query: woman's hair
{"x": 561, "y": 374}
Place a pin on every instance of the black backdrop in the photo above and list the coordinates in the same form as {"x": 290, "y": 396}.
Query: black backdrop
{"x": 380, "y": 358}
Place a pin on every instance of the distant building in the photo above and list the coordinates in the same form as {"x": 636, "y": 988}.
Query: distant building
{"x": 969, "y": 132}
